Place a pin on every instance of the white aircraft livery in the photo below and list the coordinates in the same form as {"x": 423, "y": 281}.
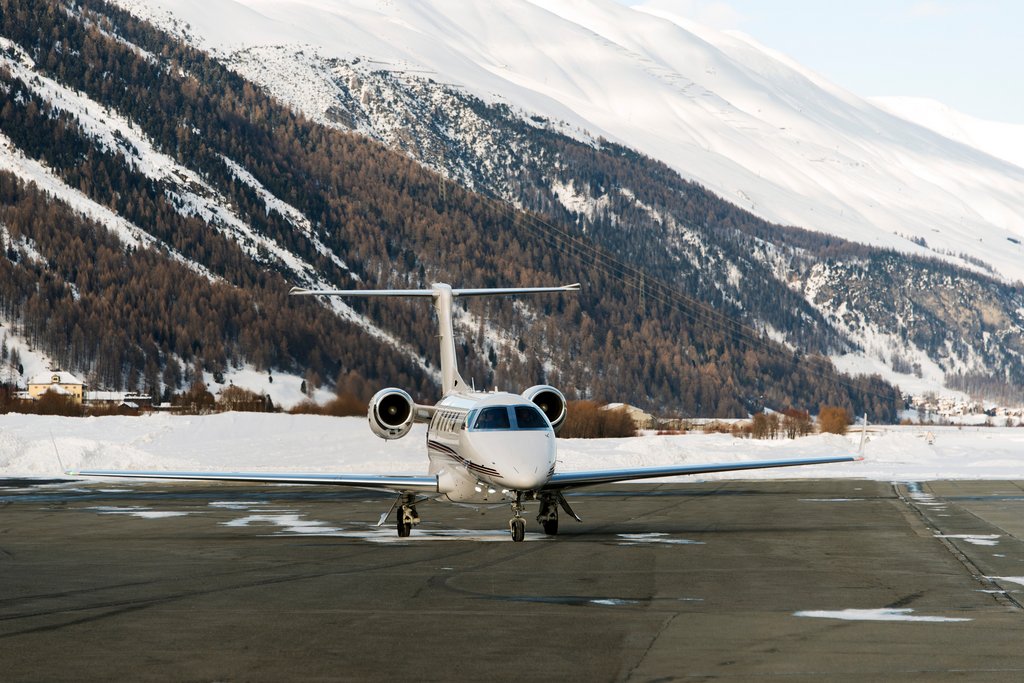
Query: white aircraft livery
{"x": 484, "y": 447}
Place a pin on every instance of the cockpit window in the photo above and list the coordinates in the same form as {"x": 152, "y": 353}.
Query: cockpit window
{"x": 529, "y": 417}
{"x": 498, "y": 417}
{"x": 495, "y": 417}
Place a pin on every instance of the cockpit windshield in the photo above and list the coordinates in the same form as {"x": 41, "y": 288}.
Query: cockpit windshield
{"x": 509, "y": 418}
{"x": 528, "y": 417}
{"x": 495, "y": 417}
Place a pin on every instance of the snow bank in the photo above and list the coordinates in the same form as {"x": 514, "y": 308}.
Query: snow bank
{"x": 29, "y": 446}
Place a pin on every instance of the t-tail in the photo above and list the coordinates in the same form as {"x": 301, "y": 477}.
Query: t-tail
{"x": 443, "y": 295}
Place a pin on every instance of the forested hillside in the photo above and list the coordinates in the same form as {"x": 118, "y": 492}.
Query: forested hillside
{"x": 786, "y": 281}
{"x": 228, "y": 198}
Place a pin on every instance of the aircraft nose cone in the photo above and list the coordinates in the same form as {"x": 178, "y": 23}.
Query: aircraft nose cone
{"x": 522, "y": 458}
{"x": 526, "y": 480}
{"x": 528, "y": 475}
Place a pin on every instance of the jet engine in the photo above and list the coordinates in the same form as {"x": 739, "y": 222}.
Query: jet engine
{"x": 391, "y": 414}
{"x": 550, "y": 401}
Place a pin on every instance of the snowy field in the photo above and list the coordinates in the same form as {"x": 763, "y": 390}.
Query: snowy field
{"x": 29, "y": 446}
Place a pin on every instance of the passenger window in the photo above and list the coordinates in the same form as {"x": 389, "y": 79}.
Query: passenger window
{"x": 528, "y": 417}
{"x": 493, "y": 418}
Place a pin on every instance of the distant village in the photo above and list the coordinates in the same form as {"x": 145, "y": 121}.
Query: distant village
{"x": 68, "y": 385}
{"x": 933, "y": 409}
{"x": 59, "y": 392}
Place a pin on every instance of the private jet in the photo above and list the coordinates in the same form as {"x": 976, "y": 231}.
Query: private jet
{"x": 484, "y": 447}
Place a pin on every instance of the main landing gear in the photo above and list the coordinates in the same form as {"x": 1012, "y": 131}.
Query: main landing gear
{"x": 548, "y": 516}
{"x": 406, "y": 516}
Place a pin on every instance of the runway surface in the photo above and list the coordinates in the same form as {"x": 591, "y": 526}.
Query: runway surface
{"x": 788, "y": 580}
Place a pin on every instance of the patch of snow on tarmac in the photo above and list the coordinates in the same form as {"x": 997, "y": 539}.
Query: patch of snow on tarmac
{"x": 884, "y": 614}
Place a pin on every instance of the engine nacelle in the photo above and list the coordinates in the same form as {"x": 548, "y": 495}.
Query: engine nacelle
{"x": 391, "y": 414}
{"x": 550, "y": 401}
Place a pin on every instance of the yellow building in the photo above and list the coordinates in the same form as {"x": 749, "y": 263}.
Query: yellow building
{"x": 60, "y": 382}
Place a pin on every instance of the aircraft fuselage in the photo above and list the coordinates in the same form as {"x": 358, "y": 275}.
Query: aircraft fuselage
{"x": 484, "y": 447}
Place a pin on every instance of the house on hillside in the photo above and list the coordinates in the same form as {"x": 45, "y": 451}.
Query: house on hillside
{"x": 59, "y": 382}
{"x": 66, "y": 384}
{"x": 126, "y": 400}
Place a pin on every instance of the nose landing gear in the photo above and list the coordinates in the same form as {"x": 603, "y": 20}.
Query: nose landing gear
{"x": 518, "y": 528}
{"x": 516, "y": 525}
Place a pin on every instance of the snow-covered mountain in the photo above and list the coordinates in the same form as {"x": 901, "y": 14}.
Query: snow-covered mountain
{"x": 219, "y": 199}
{"x": 720, "y": 109}
{"x": 1002, "y": 140}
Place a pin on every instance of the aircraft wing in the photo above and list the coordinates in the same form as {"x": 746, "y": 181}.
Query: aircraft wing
{"x": 567, "y": 480}
{"x": 400, "y": 483}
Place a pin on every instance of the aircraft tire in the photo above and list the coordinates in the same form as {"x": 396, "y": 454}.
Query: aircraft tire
{"x": 551, "y": 526}
{"x": 518, "y": 530}
{"x": 403, "y": 529}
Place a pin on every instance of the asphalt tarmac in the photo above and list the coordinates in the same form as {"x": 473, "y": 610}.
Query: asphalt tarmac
{"x": 786, "y": 580}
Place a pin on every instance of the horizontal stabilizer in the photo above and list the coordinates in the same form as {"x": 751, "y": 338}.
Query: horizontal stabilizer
{"x": 443, "y": 295}
{"x": 301, "y": 291}
{"x": 515, "y": 290}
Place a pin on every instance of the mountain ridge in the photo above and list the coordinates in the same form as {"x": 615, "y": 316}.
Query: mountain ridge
{"x": 1001, "y": 140}
{"x": 727, "y": 113}
{"x": 390, "y": 106}
{"x": 685, "y": 292}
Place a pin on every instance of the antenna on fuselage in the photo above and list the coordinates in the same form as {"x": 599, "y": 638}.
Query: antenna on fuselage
{"x": 442, "y": 294}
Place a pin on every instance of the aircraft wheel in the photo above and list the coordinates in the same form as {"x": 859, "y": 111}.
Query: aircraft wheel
{"x": 518, "y": 530}
{"x": 551, "y": 526}
{"x": 404, "y": 529}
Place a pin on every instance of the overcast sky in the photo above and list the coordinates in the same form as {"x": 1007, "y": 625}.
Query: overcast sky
{"x": 969, "y": 55}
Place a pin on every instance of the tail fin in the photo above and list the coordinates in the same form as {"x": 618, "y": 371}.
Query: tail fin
{"x": 442, "y": 294}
